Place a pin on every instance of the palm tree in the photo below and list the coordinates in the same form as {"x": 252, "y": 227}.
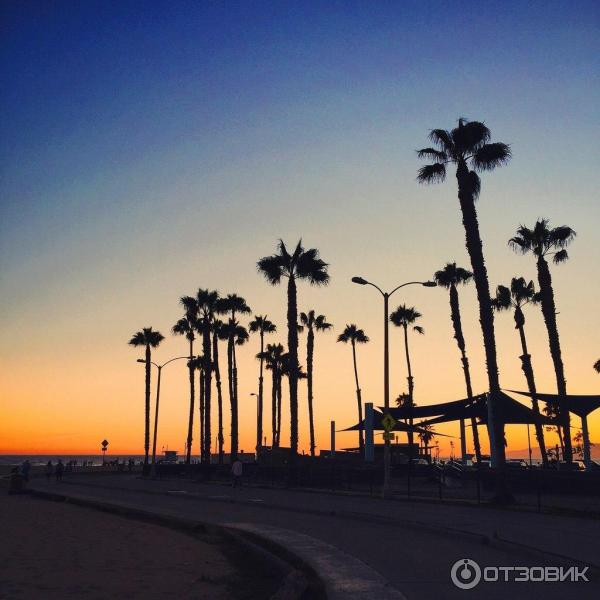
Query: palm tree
{"x": 149, "y": 339}
{"x": 520, "y": 294}
{"x": 543, "y": 241}
{"x": 450, "y": 277}
{"x": 300, "y": 264}
{"x": 208, "y": 305}
{"x": 354, "y": 335}
{"x": 404, "y": 316}
{"x": 236, "y": 335}
{"x": 468, "y": 146}
{"x": 198, "y": 363}
{"x": 597, "y": 366}
{"x": 261, "y": 325}
{"x": 312, "y": 323}
{"x": 426, "y": 435}
{"x": 272, "y": 357}
{"x": 187, "y": 326}
{"x": 217, "y": 326}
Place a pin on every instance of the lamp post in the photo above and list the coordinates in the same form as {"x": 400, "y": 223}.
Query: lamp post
{"x": 386, "y": 366}
{"x": 257, "y": 420}
{"x": 159, "y": 367}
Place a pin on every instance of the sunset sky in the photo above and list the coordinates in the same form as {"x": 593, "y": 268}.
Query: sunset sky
{"x": 149, "y": 149}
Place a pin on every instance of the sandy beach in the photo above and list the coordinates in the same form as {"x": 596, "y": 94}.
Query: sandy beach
{"x": 56, "y": 550}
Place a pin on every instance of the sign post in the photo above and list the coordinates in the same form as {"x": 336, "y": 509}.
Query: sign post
{"x": 104, "y": 448}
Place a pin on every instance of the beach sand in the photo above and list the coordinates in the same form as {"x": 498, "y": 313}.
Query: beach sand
{"x": 56, "y": 550}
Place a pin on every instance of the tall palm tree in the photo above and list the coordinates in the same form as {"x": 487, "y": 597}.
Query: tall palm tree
{"x": 217, "y": 326}
{"x": 312, "y": 323}
{"x": 272, "y": 357}
{"x": 544, "y": 241}
{"x": 450, "y": 277}
{"x": 208, "y": 305}
{"x": 236, "y": 335}
{"x": 405, "y": 316}
{"x": 468, "y": 145}
{"x": 199, "y": 364}
{"x": 354, "y": 335}
{"x": 300, "y": 264}
{"x": 519, "y": 295}
{"x": 148, "y": 338}
{"x": 261, "y": 325}
{"x": 187, "y": 326}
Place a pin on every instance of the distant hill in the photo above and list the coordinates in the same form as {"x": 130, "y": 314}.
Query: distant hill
{"x": 535, "y": 453}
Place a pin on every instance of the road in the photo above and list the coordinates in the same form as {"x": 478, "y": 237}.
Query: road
{"x": 412, "y": 545}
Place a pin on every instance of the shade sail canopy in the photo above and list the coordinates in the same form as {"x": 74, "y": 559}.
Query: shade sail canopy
{"x": 378, "y": 426}
{"x": 432, "y": 410}
{"x": 581, "y": 405}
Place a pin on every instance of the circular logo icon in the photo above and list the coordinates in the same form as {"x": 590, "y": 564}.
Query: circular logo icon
{"x": 465, "y": 573}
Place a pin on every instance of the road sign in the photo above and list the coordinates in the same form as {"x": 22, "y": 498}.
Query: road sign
{"x": 388, "y": 436}
{"x": 104, "y": 443}
{"x": 388, "y": 422}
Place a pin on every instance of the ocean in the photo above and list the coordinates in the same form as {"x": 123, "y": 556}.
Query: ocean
{"x": 38, "y": 460}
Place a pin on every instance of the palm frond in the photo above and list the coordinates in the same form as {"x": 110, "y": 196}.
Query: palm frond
{"x": 597, "y": 366}
{"x": 272, "y": 268}
{"x": 433, "y": 154}
{"x": 419, "y": 329}
{"x": 490, "y": 156}
{"x": 560, "y": 257}
{"x": 470, "y": 135}
{"x": 442, "y": 139}
{"x": 435, "y": 173}
{"x": 503, "y": 300}
{"x": 561, "y": 236}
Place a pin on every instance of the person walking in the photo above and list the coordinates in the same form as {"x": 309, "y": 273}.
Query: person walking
{"x": 60, "y": 469}
{"x": 49, "y": 470}
{"x": 25, "y": 468}
{"x": 236, "y": 472}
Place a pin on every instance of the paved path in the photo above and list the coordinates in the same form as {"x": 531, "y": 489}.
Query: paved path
{"x": 412, "y": 545}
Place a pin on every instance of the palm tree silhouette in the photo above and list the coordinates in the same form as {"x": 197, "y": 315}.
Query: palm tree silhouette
{"x": 149, "y": 339}
{"x": 300, "y": 264}
{"x": 272, "y": 357}
{"x": 217, "y": 327}
{"x": 208, "y": 305}
{"x": 236, "y": 335}
{"x": 354, "y": 335}
{"x": 261, "y": 325}
{"x": 597, "y": 366}
{"x": 312, "y": 323}
{"x": 426, "y": 435}
{"x": 450, "y": 277}
{"x": 519, "y": 295}
{"x": 543, "y": 241}
{"x": 405, "y": 316}
{"x": 198, "y": 363}
{"x": 187, "y": 326}
{"x": 465, "y": 146}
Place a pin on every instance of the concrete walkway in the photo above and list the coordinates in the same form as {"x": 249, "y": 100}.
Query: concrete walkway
{"x": 412, "y": 546}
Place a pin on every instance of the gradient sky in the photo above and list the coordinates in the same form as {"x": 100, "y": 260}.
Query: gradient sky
{"x": 151, "y": 149}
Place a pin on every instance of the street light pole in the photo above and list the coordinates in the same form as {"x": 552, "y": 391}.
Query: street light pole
{"x": 258, "y": 424}
{"x": 159, "y": 368}
{"x": 386, "y": 368}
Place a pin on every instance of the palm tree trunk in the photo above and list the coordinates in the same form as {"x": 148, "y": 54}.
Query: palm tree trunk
{"x": 549, "y": 312}
{"x": 201, "y": 379}
{"x": 215, "y": 357}
{"x": 310, "y": 348}
{"x": 361, "y": 441}
{"x": 486, "y": 316}
{"x": 259, "y": 417}
{"x": 292, "y": 319}
{"x": 279, "y": 396}
{"x": 233, "y": 408}
{"x": 528, "y": 372}
{"x": 207, "y": 350}
{"x": 147, "y": 406}
{"x": 274, "y": 407}
{"x": 188, "y": 450}
{"x": 460, "y": 341}
{"x": 410, "y": 392}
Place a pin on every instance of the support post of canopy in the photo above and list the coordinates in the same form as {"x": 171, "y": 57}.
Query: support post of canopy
{"x": 369, "y": 448}
{"x": 332, "y": 452}
{"x": 587, "y": 459}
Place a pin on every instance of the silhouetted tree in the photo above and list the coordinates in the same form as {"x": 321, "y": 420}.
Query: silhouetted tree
{"x": 519, "y": 295}
{"x": 261, "y": 325}
{"x": 405, "y": 316}
{"x": 272, "y": 357}
{"x": 426, "y": 435}
{"x": 543, "y": 241}
{"x": 208, "y": 306}
{"x": 450, "y": 277}
{"x": 312, "y": 323}
{"x": 468, "y": 145}
{"x": 353, "y": 335}
{"x": 149, "y": 339}
{"x": 217, "y": 326}
{"x": 300, "y": 264}
{"x": 187, "y": 326}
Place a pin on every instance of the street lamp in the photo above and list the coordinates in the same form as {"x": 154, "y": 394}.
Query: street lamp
{"x": 159, "y": 367}
{"x": 386, "y": 366}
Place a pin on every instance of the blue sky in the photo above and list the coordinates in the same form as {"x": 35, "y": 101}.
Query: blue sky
{"x": 150, "y": 148}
